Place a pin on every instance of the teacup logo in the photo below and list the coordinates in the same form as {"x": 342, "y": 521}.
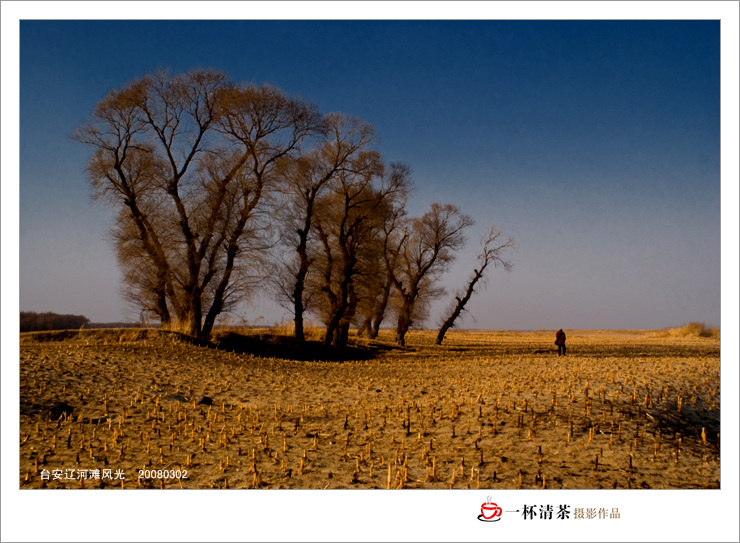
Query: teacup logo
{"x": 489, "y": 511}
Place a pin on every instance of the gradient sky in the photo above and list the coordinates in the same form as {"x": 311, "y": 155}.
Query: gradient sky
{"x": 595, "y": 144}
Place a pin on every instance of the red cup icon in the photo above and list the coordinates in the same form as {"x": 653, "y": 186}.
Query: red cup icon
{"x": 490, "y": 510}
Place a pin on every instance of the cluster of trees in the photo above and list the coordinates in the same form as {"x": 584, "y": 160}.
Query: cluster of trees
{"x": 32, "y": 321}
{"x": 223, "y": 187}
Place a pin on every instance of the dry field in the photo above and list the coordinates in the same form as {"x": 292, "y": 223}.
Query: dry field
{"x": 624, "y": 409}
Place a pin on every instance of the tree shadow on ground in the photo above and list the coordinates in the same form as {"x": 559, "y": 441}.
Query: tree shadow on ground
{"x": 289, "y": 348}
{"x": 688, "y": 422}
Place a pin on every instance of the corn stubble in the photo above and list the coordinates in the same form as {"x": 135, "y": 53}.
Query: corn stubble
{"x": 622, "y": 410}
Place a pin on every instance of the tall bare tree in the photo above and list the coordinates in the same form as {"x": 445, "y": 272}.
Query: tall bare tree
{"x": 306, "y": 179}
{"x": 348, "y": 228}
{"x": 392, "y": 235}
{"x": 271, "y": 127}
{"x": 189, "y": 157}
{"x": 428, "y": 248}
{"x": 493, "y": 252}
{"x": 124, "y": 171}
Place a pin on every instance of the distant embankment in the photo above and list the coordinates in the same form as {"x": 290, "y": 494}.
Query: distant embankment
{"x": 32, "y": 321}
{"x": 109, "y": 335}
{"x": 119, "y": 325}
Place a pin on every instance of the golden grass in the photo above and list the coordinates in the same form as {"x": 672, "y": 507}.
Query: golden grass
{"x": 695, "y": 329}
{"x": 624, "y": 409}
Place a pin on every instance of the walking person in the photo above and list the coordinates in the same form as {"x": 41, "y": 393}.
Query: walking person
{"x": 560, "y": 342}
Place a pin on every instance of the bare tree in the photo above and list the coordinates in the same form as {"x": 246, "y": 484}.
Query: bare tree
{"x": 392, "y": 235}
{"x": 344, "y": 222}
{"x": 348, "y": 228}
{"x": 123, "y": 171}
{"x": 271, "y": 127}
{"x": 493, "y": 249}
{"x": 189, "y": 157}
{"x": 428, "y": 248}
{"x": 306, "y": 179}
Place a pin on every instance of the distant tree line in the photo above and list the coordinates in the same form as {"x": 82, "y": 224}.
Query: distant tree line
{"x": 222, "y": 188}
{"x": 32, "y": 321}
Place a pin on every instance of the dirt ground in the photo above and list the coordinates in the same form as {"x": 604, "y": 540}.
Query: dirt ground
{"x": 145, "y": 409}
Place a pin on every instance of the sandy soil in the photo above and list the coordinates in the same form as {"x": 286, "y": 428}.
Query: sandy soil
{"x": 624, "y": 409}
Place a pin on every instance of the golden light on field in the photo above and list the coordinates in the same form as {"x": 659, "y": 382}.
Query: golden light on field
{"x": 633, "y": 409}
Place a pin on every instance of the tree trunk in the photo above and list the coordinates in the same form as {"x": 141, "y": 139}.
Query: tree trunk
{"x": 300, "y": 286}
{"x": 331, "y": 328}
{"x": 218, "y": 297}
{"x": 193, "y": 324}
{"x": 377, "y": 317}
{"x": 365, "y": 327}
{"x": 340, "y": 303}
{"x": 450, "y": 322}
{"x": 162, "y": 312}
{"x": 298, "y": 310}
{"x": 349, "y": 314}
{"x": 404, "y": 322}
{"x": 304, "y": 264}
{"x": 343, "y": 333}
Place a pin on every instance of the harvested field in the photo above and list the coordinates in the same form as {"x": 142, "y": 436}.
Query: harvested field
{"x": 624, "y": 409}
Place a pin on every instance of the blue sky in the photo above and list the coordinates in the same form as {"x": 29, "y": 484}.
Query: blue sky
{"x": 595, "y": 144}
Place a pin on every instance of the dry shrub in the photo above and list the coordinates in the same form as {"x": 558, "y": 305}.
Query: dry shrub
{"x": 312, "y": 331}
{"x": 695, "y": 329}
{"x": 284, "y": 328}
